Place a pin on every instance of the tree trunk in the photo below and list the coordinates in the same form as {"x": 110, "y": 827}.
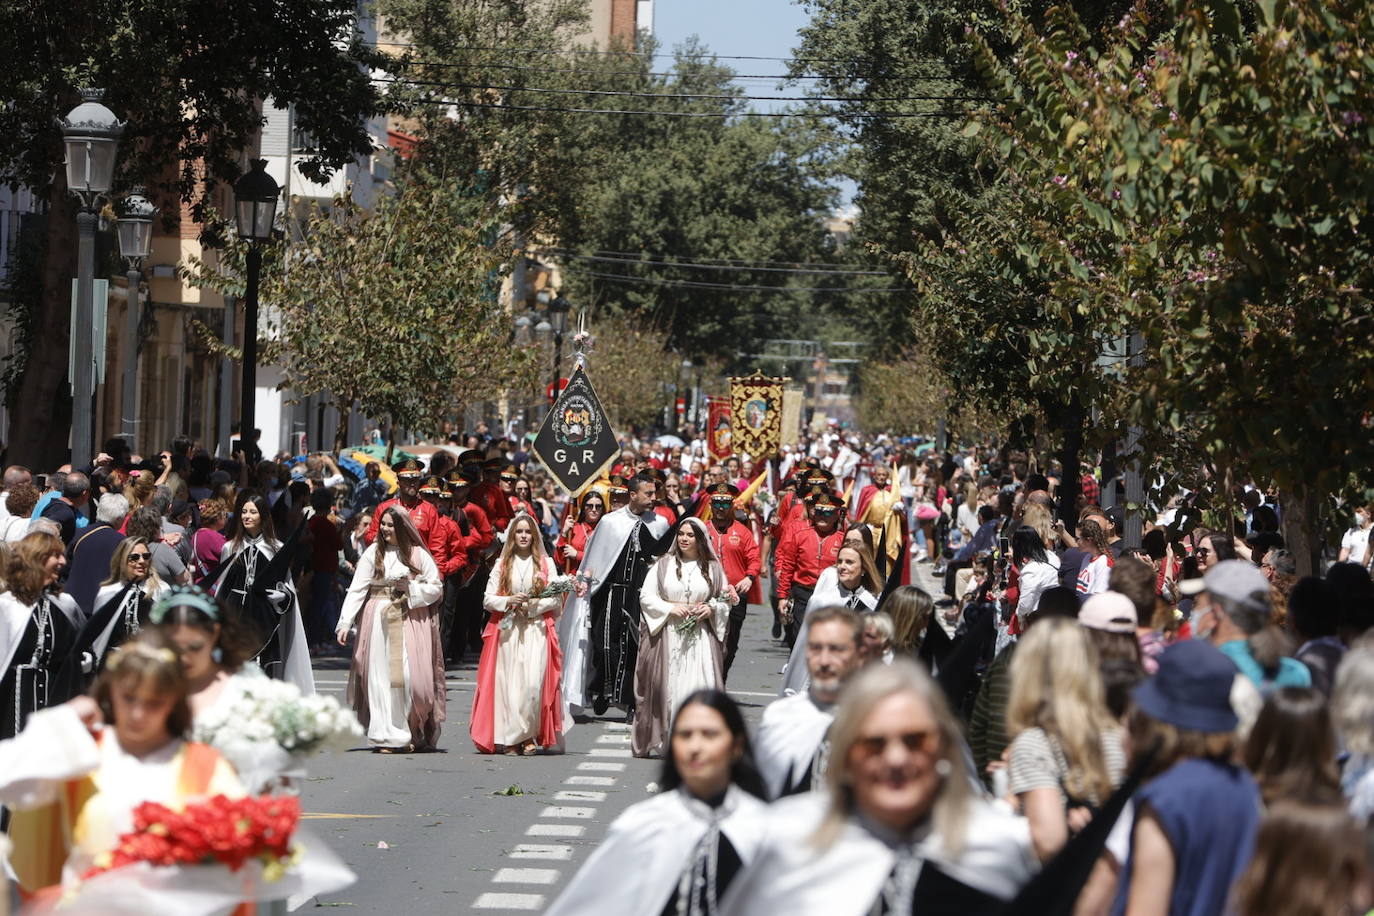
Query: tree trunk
{"x": 1299, "y": 516}
{"x": 1072, "y": 416}
{"x": 345, "y": 408}
{"x": 43, "y": 408}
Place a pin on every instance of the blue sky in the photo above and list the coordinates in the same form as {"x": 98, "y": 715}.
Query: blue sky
{"x": 765, "y": 28}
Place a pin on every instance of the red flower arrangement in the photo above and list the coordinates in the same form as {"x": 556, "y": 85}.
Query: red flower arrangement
{"x": 221, "y": 831}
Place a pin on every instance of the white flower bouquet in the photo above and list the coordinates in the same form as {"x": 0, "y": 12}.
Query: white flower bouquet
{"x": 270, "y": 727}
{"x": 558, "y": 585}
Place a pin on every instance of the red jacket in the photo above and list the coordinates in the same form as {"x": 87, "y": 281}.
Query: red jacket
{"x": 494, "y": 502}
{"x": 738, "y": 551}
{"x": 803, "y": 554}
{"x": 455, "y": 547}
{"x": 479, "y": 536}
{"x": 426, "y": 519}
{"x": 576, "y": 539}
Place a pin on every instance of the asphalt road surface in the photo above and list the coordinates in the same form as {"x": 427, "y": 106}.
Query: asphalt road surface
{"x": 454, "y": 831}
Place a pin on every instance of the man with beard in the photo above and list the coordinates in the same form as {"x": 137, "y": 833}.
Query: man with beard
{"x": 599, "y": 632}
{"x": 792, "y": 745}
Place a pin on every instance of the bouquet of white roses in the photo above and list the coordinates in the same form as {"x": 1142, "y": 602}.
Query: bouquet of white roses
{"x": 270, "y": 726}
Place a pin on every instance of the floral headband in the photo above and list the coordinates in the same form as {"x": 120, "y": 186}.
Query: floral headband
{"x": 136, "y": 649}
{"x": 184, "y": 596}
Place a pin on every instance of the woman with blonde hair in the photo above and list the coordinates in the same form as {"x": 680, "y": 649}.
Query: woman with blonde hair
{"x": 396, "y": 679}
{"x": 38, "y": 632}
{"x": 1066, "y": 751}
{"x": 121, "y": 605}
{"x": 518, "y": 707}
{"x": 901, "y": 827}
{"x": 853, "y": 582}
{"x": 910, "y": 608}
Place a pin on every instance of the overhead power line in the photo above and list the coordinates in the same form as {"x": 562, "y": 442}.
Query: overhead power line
{"x": 464, "y": 103}
{"x": 703, "y": 58}
{"x": 696, "y": 284}
{"x": 680, "y": 95}
{"x": 839, "y": 271}
{"x": 779, "y": 77}
{"x": 639, "y": 255}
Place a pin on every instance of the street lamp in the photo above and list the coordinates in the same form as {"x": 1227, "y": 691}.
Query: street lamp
{"x": 255, "y": 203}
{"x": 90, "y": 132}
{"x": 558, "y": 318}
{"x": 135, "y": 230}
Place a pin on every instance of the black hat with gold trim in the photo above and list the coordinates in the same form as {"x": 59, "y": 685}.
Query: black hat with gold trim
{"x": 493, "y": 464}
{"x": 457, "y": 479}
{"x": 510, "y": 473}
{"x": 410, "y": 469}
{"x": 471, "y": 456}
{"x": 814, "y": 493}
{"x": 619, "y": 485}
{"x": 722, "y": 492}
{"x": 826, "y": 503}
{"x": 814, "y": 476}
{"x": 432, "y": 486}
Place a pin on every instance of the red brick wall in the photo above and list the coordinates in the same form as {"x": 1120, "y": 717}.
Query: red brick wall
{"x": 623, "y": 20}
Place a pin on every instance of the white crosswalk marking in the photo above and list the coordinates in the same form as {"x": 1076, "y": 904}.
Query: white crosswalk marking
{"x": 559, "y": 830}
{"x": 589, "y": 781}
{"x": 599, "y": 767}
{"x": 509, "y": 902}
{"x": 581, "y": 795}
{"x": 568, "y": 813}
{"x": 525, "y": 876}
{"x": 608, "y": 752}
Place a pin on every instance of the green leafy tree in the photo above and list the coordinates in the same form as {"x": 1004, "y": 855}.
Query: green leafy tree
{"x": 392, "y": 309}
{"x": 1203, "y": 180}
{"x": 189, "y": 85}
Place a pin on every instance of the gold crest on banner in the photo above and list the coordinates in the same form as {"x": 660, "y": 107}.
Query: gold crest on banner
{"x": 756, "y": 405}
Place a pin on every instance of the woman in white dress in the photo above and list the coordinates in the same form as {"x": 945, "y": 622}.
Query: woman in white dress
{"x": 396, "y": 681}
{"x": 853, "y": 582}
{"x": 121, "y": 605}
{"x": 518, "y": 706}
{"x": 680, "y": 633}
{"x": 688, "y": 842}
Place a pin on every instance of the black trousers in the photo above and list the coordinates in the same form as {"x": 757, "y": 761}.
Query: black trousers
{"x": 737, "y": 614}
{"x": 469, "y": 618}
{"x": 449, "y": 611}
{"x": 799, "y": 595}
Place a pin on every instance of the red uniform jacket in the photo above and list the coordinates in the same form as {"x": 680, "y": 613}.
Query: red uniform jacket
{"x": 494, "y": 502}
{"x": 426, "y": 519}
{"x": 577, "y": 540}
{"x": 479, "y": 535}
{"x": 667, "y": 514}
{"x": 803, "y": 554}
{"x": 738, "y": 552}
{"x": 455, "y": 547}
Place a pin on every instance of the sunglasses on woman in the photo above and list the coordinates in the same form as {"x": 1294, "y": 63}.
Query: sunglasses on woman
{"x": 139, "y": 557}
{"x": 917, "y": 742}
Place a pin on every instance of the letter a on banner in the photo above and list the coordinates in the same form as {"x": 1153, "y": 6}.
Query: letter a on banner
{"x": 575, "y": 442}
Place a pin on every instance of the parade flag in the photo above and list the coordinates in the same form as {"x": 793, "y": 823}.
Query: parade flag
{"x": 575, "y": 442}
{"x": 791, "y": 416}
{"x": 719, "y": 435}
{"x": 756, "y": 403}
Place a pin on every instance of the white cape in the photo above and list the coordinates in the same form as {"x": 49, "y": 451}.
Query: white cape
{"x": 636, "y": 867}
{"x": 790, "y": 875}
{"x": 796, "y": 678}
{"x": 787, "y": 738}
{"x": 574, "y": 627}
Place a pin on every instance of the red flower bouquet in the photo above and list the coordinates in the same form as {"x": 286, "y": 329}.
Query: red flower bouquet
{"x": 218, "y": 831}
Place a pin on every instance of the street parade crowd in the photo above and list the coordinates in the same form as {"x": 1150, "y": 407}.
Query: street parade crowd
{"x": 1062, "y": 724}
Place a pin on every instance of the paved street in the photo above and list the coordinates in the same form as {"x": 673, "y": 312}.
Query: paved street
{"x": 456, "y": 830}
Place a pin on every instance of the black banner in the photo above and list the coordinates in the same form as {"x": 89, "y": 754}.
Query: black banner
{"x": 576, "y": 442}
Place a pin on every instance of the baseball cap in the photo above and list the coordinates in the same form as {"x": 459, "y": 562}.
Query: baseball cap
{"x": 1110, "y": 611}
{"x": 1236, "y": 581}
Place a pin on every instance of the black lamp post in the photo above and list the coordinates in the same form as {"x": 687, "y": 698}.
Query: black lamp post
{"x": 255, "y": 200}
{"x": 135, "y": 230}
{"x": 90, "y": 132}
{"x": 558, "y": 318}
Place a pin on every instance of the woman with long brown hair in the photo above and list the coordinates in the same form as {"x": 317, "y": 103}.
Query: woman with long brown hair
{"x": 518, "y": 707}
{"x": 38, "y": 632}
{"x": 681, "y": 633}
{"x": 396, "y": 680}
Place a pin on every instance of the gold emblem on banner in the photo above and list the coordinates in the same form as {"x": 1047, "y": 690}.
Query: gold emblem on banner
{"x": 756, "y": 405}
